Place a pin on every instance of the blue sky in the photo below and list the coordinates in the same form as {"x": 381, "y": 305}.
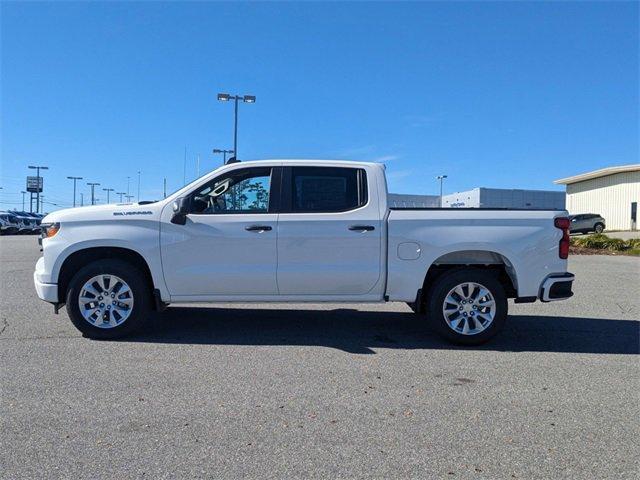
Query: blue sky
{"x": 509, "y": 95}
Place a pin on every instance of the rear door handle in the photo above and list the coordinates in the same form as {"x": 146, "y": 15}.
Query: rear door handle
{"x": 258, "y": 228}
{"x": 362, "y": 228}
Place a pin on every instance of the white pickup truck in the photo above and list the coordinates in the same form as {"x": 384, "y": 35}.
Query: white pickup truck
{"x": 299, "y": 231}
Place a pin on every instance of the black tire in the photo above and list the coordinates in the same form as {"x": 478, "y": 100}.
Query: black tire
{"x": 445, "y": 283}
{"x": 598, "y": 228}
{"x": 139, "y": 288}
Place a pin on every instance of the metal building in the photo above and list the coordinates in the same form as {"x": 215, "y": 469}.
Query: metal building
{"x": 399, "y": 200}
{"x": 613, "y": 193}
{"x": 505, "y": 198}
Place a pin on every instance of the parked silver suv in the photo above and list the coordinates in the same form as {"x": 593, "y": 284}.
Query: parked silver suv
{"x": 586, "y": 222}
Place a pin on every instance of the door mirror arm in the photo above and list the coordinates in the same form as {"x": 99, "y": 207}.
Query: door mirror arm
{"x": 181, "y": 208}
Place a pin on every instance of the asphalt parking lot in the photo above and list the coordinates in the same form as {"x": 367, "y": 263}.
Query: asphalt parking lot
{"x": 277, "y": 391}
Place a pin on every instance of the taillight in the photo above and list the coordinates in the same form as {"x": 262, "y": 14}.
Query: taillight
{"x": 563, "y": 224}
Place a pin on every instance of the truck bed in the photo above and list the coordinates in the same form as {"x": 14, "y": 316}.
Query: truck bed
{"x": 525, "y": 241}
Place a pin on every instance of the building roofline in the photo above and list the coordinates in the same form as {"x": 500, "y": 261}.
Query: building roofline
{"x": 603, "y": 172}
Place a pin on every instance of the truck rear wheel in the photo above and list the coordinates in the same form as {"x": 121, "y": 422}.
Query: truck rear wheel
{"x": 108, "y": 299}
{"x": 467, "y": 306}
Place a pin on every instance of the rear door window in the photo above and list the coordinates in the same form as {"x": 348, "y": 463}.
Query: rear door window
{"x": 327, "y": 189}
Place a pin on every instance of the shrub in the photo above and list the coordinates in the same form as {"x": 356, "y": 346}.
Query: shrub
{"x": 603, "y": 242}
{"x": 634, "y": 243}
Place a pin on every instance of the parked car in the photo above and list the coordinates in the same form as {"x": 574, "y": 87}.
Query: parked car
{"x": 299, "y": 231}
{"x": 28, "y": 223}
{"x": 587, "y": 222}
{"x": 37, "y": 218}
{"x": 8, "y": 223}
{"x": 24, "y": 223}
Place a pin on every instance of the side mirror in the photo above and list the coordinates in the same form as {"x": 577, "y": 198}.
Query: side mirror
{"x": 181, "y": 208}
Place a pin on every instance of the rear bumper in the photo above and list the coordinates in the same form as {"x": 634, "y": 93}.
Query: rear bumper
{"x": 557, "y": 287}
{"x": 46, "y": 291}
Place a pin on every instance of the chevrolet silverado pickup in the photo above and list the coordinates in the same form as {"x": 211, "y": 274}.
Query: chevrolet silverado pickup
{"x": 299, "y": 231}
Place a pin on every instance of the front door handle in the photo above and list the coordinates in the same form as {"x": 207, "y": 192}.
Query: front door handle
{"x": 258, "y": 228}
{"x": 362, "y": 228}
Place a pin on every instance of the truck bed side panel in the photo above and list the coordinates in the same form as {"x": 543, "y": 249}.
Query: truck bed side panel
{"x": 526, "y": 239}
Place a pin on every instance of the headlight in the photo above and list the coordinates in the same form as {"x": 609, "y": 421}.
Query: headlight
{"x": 49, "y": 229}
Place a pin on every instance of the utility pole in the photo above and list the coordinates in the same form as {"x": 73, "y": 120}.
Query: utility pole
{"x": 184, "y": 167}
{"x": 441, "y": 178}
{"x": 225, "y": 97}
{"x": 198, "y": 167}
{"x": 93, "y": 198}
{"x": 164, "y": 188}
{"x": 41, "y": 204}
{"x": 138, "y": 185}
{"x": 128, "y": 197}
{"x": 128, "y": 179}
{"x": 108, "y": 190}
{"x": 23, "y": 193}
{"x": 75, "y": 179}
{"x": 81, "y": 199}
{"x": 224, "y": 153}
{"x": 121, "y": 194}
{"x": 37, "y": 168}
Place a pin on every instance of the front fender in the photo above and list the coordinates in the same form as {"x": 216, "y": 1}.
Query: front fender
{"x": 140, "y": 236}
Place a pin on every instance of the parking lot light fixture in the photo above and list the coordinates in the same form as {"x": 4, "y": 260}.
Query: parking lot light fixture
{"x": 75, "y": 179}
{"x": 108, "y": 190}
{"x": 224, "y": 154}
{"x": 225, "y": 97}
{"x": 441, "y": 178}
{"x": 93, "y": 186}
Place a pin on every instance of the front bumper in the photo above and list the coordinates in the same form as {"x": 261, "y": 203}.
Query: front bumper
{"x": 557, "y": 287}
{"x": 46, "y": 291}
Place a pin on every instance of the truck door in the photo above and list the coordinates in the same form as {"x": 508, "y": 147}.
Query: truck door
{"x": 329, "y": 232}
{"x": 228, "y": 244}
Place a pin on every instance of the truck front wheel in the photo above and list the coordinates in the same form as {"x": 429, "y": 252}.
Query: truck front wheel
{"x": 108, "y": 299}
{"x": 467, "y": 306}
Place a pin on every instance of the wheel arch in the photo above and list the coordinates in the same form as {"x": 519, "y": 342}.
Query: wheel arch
{"x": 79, "y": 258}
{"x": 480, "y": 259}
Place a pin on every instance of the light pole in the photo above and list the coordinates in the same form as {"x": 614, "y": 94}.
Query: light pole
{"x": 128, "y": 179}
{"x": 128, "y": 197}
{"x": 93, "y": 198}
{"x": 108, "y": 190}
{"x": 225, "y": 97}
{"x": 37, "y": 168}
{"x": 138, "y": 185}
{"x": 224, "y": 153}
{"x": 23, "y": 193}
{"x": 441, "y": 178}
{"x": 75, "y": 179}
{"x": 81, "y": 199}
{"x": 121, "y": 194}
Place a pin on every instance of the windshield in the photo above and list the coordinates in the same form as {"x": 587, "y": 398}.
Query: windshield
{"x": 193, "y": 181}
